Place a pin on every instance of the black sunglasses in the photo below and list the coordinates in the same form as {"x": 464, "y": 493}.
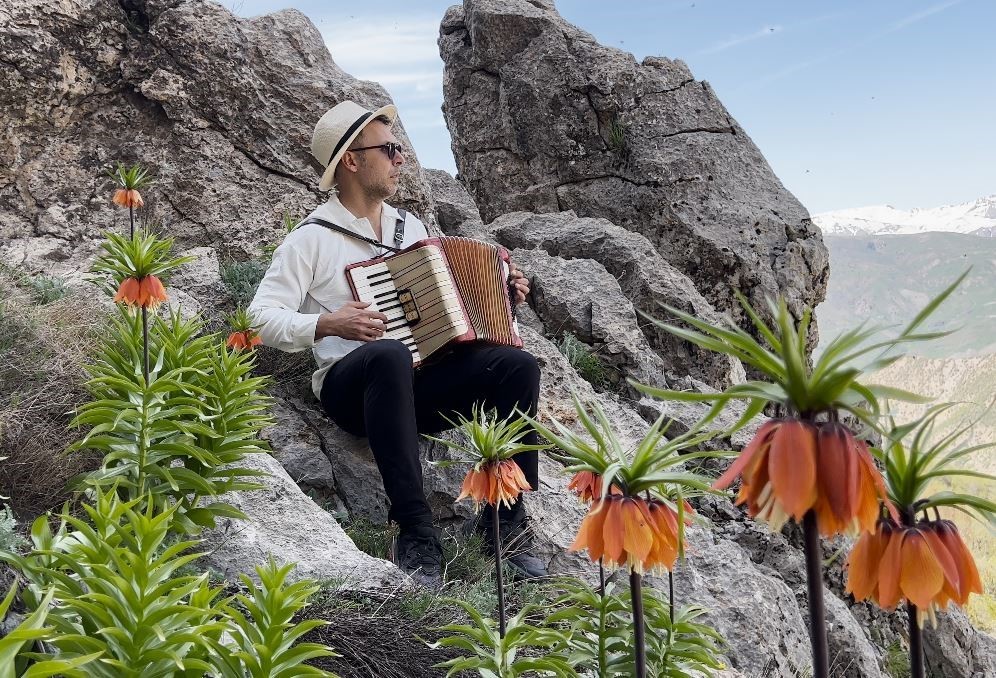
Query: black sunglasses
{"x": 390, "y": 148}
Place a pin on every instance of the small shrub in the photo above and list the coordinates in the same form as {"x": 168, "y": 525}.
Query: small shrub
{"x": 10, "y": 540}
{"x": 47, "y": 288}
{"x": 242, "y": 278}
{"x": 897, "y": 661}
{"x": 617, "y": 137}
{"x": 586, "y": 363}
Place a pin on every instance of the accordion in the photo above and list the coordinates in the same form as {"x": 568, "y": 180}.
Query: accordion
{"x": 438, "y": 291}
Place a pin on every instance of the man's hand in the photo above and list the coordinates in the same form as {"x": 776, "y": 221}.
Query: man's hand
{"x": 521, "y": 283}
{"x": 352, "y": 322}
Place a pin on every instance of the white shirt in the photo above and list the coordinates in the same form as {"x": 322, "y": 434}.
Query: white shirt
{"x": 307, "y": 277}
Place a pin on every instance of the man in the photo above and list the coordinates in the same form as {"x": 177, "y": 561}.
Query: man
{"x": 367, "y": 384}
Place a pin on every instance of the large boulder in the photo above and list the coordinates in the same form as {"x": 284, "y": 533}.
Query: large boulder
{"x": 219, "y": 108}
{"x": 545, "y": 119}
{"x": 285, "y": 524}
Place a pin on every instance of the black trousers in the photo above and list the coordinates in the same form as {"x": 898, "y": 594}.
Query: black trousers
{"x": 375, "y": 392}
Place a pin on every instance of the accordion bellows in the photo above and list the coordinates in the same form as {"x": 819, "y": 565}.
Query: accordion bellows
{"x": 439, "y": 291}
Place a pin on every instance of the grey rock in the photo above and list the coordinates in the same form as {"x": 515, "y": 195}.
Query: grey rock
{"x": 851, "y": 653}
{"x": 456, "y": 212}
{"x": 580, "y": 297}
{"x": 761, "y": 621}
{"x": 298, "y": 448}
{"x": 956, "y": 649}
{"x": 87, "y": 84}
{"x": 286, "y": 524}
{"x": 544, "y": 119}
{"x": 646, "y": 279}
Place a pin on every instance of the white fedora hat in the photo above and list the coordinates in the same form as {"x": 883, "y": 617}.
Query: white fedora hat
{"x": 335, "y": 132}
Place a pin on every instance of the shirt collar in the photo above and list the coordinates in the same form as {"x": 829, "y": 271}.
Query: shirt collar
{"x": 334, "y": 211}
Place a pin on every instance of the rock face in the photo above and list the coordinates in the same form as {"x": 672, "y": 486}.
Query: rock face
{"x": 544, "y": 119}
{"x": 86, "y": 83}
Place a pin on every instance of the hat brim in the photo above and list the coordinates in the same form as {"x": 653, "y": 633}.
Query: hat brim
{"x": 328, "y": 176}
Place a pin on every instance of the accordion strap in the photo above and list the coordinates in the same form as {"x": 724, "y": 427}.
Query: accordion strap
{"x": 399, "y": 231}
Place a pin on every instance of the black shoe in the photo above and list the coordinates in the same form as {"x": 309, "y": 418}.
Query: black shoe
{"x": 516, "y": 540}
{"x": 419, "y": 554}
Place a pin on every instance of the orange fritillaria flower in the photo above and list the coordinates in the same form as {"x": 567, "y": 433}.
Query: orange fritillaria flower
{"x": 792, "y": 466}
{"x": 630, "y": 531}
{"x": 146, "y": 292}
{"x": 494, "y": 483}
{"x": 928, "y": 565}
{"x": 128, "y": 197}
{"x": 243, "y": 340}
{"x": 587, "y": 485}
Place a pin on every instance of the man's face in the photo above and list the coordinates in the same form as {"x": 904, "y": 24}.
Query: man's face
{"x": 377, "y": 174}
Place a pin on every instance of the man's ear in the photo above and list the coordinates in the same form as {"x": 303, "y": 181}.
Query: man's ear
{"x": 349, "y": 162}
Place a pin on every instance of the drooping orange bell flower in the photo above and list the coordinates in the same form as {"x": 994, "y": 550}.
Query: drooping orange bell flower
{"x": 241, "y": 341}
{"x": 630, "y": 531}
{"x": 128, "y": 197}
{"x": 587, "y": 485}
{"x": 494, "y": 483}
{"x": 792, "y": 466}
{"x": 147, "y": 292}
{"x": 927, "y": 565}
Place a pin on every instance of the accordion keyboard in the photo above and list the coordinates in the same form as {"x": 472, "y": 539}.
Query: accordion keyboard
{"x": 423, "y": 272}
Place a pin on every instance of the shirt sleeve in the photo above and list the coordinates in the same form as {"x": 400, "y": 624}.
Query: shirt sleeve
{"x": 280, "y": 296}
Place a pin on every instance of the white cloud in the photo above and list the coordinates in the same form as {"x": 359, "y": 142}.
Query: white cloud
{"x": 923, "y": 14}
{"x": 736, "y": 41}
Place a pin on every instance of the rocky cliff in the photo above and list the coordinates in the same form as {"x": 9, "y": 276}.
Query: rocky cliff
{"x": 631, "y": 178}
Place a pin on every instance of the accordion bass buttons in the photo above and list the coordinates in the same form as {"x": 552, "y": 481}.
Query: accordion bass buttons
{"x": 408, "y": 306}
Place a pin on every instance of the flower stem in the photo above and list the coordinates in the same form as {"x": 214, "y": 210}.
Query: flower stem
{"x": 498, "y": 574}
{"x": 670, "y": 594}
{"x": 131, "y": 217}
{"x": 636, "y": 593}
{"x": 916, "y": 643}
{"x": 145, "y": 346}
{"x": 814, "y": 582}
{"x": 916, "y": 633}
{"x": 601, "y": 578}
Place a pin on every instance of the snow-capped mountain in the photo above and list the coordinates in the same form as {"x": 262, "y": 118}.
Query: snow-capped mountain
{"x": 976, "y": 218}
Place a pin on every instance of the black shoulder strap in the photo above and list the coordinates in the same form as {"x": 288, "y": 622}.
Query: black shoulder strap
{"x": 357, "y": 236}
{"x": 399, "y": 228}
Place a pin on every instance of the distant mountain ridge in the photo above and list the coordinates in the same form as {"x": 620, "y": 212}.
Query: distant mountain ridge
{"x": 972, "y": 218}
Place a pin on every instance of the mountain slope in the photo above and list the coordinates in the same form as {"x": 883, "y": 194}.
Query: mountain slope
{"x": 888, "y": 279}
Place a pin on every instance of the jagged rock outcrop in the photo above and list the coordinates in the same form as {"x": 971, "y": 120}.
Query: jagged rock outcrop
{"x": 645, "y": 278}
{"x": 85, "y": 83}
{"x": 544, "y": 119}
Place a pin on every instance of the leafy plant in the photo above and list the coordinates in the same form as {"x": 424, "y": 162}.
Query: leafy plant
{"x": 599, "y": 633}
{"x": 805, "y": 465}
{"x": 10, "y": 540}
{"x": 491, "y": 444}
{"x": 639, "y": 520}
{"x": 242, "y": 278}
{"x": 584, "y": 361}
{"x": 265, "y": 635}
{"x": 495, "y": 656}
{"x": 179, "y": 437}
{"x": 47, "y": 288}
{"x": 118, "y": 593}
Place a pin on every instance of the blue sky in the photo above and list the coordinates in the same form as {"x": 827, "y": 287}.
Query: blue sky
{"x": 852, "y": 103}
